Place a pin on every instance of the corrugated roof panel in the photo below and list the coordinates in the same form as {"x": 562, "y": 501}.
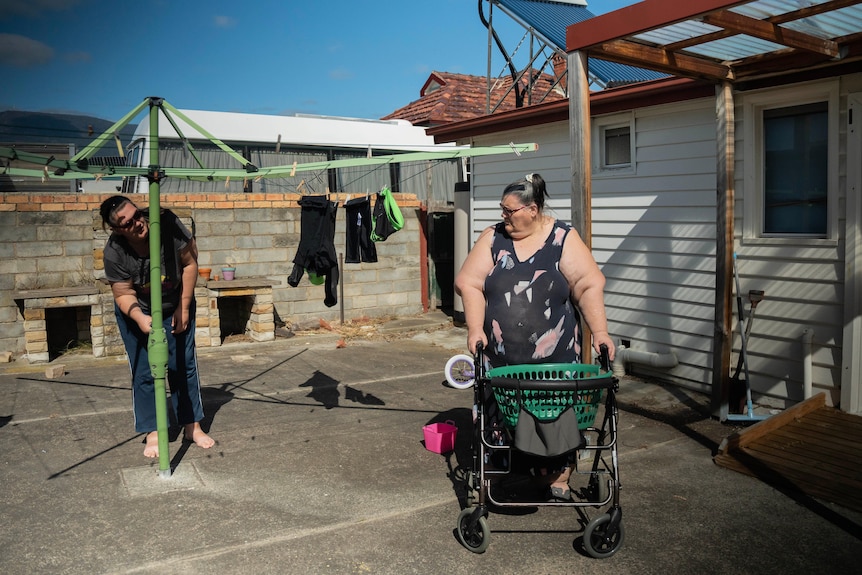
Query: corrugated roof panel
{"x": 734, "y": 48}
{"x": 550, "y": 20}
{"x": 676, "y": 32}
{"x": 612, "y": 73}
{"x": 763, "y": 9}
{"x": 833, "y": 24}
{"x": 829, "y": 25}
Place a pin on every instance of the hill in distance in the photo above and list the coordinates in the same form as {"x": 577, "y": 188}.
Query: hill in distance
{"x": 17, "y": 127}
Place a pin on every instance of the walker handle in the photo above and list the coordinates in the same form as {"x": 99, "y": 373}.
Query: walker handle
{"x": 478, "y": 364}
{"x": 604, "y": 357}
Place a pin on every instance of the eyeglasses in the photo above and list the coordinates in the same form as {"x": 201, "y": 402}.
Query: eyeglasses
{"x": 131, "y": 222}
{"x": 509, "y": 211}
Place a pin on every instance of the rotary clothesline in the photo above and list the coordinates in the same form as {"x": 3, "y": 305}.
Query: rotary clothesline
{"x": 79, "y": 166}
{"x": 77, "y": 169}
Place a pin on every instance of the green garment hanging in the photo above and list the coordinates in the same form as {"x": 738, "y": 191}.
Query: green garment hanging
{"x": 387, "y": 216}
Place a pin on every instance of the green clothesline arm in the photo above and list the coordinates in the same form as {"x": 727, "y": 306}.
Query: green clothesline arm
{"x": 111, "y": 132}
{"x": 199, "y": 174}
{"x": 224, "y": 147}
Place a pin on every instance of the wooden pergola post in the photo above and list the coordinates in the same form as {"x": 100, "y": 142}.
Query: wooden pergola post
{"x": 725, "y": 197}
{"x": 581, "y": 180}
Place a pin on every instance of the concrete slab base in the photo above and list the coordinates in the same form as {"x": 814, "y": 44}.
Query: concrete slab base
{"x": 144, "y": 481}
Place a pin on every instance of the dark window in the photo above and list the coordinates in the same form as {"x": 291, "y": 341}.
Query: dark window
{"x": 618, "y": 148}
{"x": 795, "y": 145}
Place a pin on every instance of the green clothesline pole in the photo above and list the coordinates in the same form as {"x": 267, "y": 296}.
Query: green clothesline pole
{"x": 157, "y": 345}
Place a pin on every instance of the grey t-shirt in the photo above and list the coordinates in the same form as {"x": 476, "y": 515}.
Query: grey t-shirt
{"x": 123, "y": 263}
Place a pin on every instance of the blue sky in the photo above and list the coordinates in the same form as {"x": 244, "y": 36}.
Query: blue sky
{"x": 354, "y": 58}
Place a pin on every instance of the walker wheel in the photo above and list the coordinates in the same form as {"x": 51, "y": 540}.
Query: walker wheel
{"x": 598, "y": 542}
{"x": 475, "y": 539}
{"x": 460, "y": 372}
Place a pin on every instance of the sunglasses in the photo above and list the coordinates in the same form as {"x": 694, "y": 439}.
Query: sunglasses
{"x": 131, "y": 222}
{"x": 508, "y": 211}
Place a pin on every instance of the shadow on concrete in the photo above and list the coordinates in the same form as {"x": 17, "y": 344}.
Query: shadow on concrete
{"x": 75, "y": 383}
{"x": 681, "y": 421}
{"x": 95, "y": 456}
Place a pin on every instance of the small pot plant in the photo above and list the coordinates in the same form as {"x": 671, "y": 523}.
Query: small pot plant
{"x": 229, "y": 269}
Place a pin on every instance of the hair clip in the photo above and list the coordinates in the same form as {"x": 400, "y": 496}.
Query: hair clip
{"x": 529, "y": 178}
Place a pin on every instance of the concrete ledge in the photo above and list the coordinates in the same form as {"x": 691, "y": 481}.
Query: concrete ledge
{"x": 55, "y": 292}
{"x": 242, "y": 283}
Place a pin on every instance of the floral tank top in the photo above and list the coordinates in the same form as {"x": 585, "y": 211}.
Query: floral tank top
{"x": 529, "y": 313}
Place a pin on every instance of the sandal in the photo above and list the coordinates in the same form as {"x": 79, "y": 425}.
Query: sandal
{"x": 560, "y": 493}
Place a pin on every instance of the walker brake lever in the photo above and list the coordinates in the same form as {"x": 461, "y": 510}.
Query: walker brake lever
{"x": 604, "y": 357}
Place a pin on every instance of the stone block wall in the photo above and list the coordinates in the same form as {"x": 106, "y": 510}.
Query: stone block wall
{"x": 56, "y": 241}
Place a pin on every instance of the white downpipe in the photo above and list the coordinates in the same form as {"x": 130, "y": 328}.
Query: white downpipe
{"x": 648, "y": 358}
{"x": 807, "y": 361}
{"x": 618, "y": 365}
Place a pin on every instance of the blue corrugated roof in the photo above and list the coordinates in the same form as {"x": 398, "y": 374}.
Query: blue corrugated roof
{"x": 550, "y": 20}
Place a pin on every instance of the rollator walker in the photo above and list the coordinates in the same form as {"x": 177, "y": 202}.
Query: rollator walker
{"x": 545, "y": 409}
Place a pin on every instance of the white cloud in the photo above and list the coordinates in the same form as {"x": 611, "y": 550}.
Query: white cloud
{"x": 22, "y": 52}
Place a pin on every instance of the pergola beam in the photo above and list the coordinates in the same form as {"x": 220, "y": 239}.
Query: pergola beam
{"x": 626, "y": 52}
{"x": 771, "y": 32}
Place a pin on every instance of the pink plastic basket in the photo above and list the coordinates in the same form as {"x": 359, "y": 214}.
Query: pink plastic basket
{"x": 440, "y": 437}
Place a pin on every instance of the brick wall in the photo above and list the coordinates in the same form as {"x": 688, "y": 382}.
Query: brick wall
{"x": 56, "y": 241}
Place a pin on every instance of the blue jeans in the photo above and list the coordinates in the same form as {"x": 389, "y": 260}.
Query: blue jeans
{"x": 183, "y": 381}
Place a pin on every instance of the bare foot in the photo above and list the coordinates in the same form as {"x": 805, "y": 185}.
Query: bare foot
{"x": 195, "y": 434}
{"x": 151, "y": 449}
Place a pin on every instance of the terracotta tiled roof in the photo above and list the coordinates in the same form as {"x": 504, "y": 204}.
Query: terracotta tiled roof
{"x": 448, "y": 97}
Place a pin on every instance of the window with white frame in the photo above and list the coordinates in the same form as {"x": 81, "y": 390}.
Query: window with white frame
{"x": 613, "y": 144}
{"x": 790, "y": 163}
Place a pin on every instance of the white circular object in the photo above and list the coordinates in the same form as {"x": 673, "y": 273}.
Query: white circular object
{"x": 460, "y": 372}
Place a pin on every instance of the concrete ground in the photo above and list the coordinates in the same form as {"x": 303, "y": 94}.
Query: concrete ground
{"x": 320, "y": 468}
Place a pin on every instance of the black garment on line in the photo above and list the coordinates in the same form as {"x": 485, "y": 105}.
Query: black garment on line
{"x": 316, "y": 251}
{"x": 358, "y": 244}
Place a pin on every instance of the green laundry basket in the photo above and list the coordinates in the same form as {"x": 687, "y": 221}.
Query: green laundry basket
{"x": 547, "y": 405}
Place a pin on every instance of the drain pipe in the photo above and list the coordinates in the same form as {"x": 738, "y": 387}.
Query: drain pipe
{"x": 619, "y": 367}
{"x": 650, "y": 359}
{"x": 807, "y": 361}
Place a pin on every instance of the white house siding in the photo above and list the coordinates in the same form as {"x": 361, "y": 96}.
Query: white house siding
{"x": 803, "y": 279}
{"x": 491, "y": 174}
{"x": 653, "y": 229}
{"x": 654, "y": 237}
